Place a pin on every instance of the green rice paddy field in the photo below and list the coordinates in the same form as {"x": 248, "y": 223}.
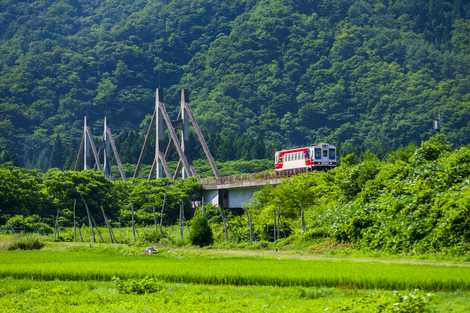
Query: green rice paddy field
{"x": 79, "y": 279}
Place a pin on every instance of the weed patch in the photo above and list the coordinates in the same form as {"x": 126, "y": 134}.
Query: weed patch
{"x": 138, "y": 286}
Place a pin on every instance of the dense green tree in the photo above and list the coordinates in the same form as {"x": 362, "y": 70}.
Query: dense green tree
{"x": 415, "y": 201}
{"x": 364, "y": 75}
{"x": 21, "y": 193}
{"x": 201, "y": 233}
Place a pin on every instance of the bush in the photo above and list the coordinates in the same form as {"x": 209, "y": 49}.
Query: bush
{"x": 28, "y": 224}
{"x": 414, "y": 302}
{"x": 201, "y": 233}
{"x": 138, "y": 286}
{"x": 151, "y": 236}
{"x": 26, "y": 243}
{"x": 315, "y": 293}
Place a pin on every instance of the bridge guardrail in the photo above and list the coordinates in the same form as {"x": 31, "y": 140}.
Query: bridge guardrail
{"x": 236, "y": 179}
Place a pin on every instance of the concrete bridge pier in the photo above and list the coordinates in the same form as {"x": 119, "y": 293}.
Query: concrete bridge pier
{"x": 232, "y": 193}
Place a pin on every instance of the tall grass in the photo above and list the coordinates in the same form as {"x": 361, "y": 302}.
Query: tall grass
{"x": 88, "y": 265}
{"x": 21, "y": 242}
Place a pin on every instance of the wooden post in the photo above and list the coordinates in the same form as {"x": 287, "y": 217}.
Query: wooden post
{"x": 80, "y": 232}
{"x": 181, "y": 221}
{"x": 161, "y": 213}
{"x": 108, "y": 225}
{"x": 278, "y": 222}
{"x": 97, "y": 229}
{"x": 74, "y": 220}
{"x": 90, "y": 224}
{"x": 274, "y": 225}
{"x": 134, "y": 233}
{"x": 302, "y": 219}
{"x": 250, "y": 226}
{"x": 225, "y": 224}
{"x": 56, "y": 225}
{"x": 155, "y": 218}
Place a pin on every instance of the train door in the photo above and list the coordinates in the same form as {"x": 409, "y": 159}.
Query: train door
{"x": 324, "y": 153}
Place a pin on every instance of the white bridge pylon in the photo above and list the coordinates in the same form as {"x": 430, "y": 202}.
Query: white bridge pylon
{"x": 87, "y": 143}
{"x": 161, "y": 120}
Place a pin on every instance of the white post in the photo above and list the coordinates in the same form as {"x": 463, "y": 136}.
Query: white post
{"x": 105, "y": 152}
{"x": 158, "y": 133}
{"x": 184, "y": 130}
{"x": 85, "y": 144}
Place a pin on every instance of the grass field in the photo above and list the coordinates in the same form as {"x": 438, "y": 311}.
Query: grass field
{"x": 103, "y": 264}
{"x": 91, "y": 296}
{"x": 77, "y": 278}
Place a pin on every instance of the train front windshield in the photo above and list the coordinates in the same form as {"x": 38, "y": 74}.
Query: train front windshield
{"x": 332, "y": 153}
{"x": 317, "y": 154}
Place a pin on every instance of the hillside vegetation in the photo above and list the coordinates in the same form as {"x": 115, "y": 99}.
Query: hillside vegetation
{"x": 365, "y": 75}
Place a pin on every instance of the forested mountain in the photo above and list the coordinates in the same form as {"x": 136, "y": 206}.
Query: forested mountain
{"x": 364, "y": 75}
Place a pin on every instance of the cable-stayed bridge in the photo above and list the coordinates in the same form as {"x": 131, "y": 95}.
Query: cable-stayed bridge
{"x": 227, "y": 192}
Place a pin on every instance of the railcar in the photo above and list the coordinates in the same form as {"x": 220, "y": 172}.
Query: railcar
{"x": 317, "y": 156}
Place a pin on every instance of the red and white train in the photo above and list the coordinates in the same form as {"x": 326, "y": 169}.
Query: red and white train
{"x": 321, "y": 156}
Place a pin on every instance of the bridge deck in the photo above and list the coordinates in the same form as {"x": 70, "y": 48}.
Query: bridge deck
{"x": 241, "y": 181}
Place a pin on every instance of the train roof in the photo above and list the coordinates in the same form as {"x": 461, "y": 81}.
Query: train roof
{"x": 298, "y": 149}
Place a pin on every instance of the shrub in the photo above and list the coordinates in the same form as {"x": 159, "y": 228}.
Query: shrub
{"x": 414, "y": 302}
{"x": 26, "y": 243}
{"x": 138, "y": 286}
{"x": 267, "y": 231}
{"x": 201, "y": 233}
{"x": 315, "y": 293}
{"x": 151, "y": 236}
{"x": 27, "y": 224}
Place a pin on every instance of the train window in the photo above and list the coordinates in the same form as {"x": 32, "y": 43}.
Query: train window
{"x": 306, "y": 155}
{"x": 317, "y": 153}
{"x": 325, "y": 153}
{"x": 332, "y": 153}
